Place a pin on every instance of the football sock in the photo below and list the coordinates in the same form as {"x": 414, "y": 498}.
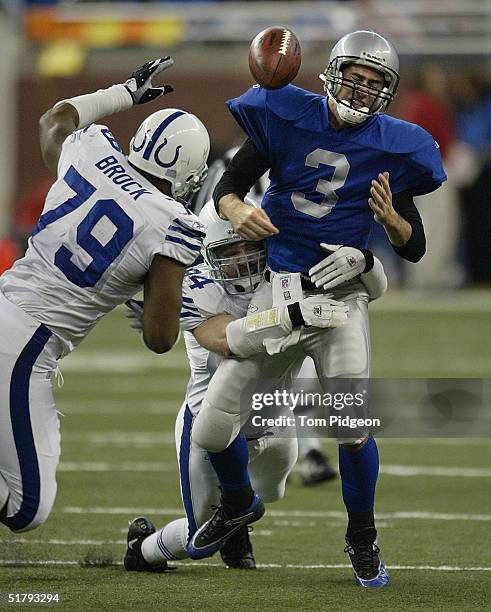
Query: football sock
{"x": 361, "y": 526}
{"x": 359, "y": 472}
{"x": 167, "y": 544}
{"x": 230, "y": 466}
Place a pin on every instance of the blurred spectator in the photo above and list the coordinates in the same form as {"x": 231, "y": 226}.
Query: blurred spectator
{"x": 427, "y": 102}
{"x": 473, "y": 100}
{"x": 28, "y": 210}
{"x": 40, "y": 2}
{"x": 9, "y": 252}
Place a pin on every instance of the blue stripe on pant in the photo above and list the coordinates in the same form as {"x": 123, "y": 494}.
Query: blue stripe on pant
{"x": 184, "y": 452}
{"x": 22, "y": 429}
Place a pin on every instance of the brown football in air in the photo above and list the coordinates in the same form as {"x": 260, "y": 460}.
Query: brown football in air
{"x": 275, "y": 57}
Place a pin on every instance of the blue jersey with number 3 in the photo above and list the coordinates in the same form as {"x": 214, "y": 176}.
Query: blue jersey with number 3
{"x": 321, "y": 177}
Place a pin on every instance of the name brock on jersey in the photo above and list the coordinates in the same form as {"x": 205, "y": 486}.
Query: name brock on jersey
{"x": 113, "y": 170}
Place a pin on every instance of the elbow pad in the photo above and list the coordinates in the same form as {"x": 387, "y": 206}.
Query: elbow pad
{"x": 375, "y": 280}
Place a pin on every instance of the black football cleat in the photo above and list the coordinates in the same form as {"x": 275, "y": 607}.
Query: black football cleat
{"x": 213, "y": 534}
{"x": 237, "y": 551}
{"x": 139, "y": 529}
{"x": 364, "y": 555}
{"x": 315, "y": 468}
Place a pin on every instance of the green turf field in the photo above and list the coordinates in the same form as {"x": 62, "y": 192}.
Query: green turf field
{"x": 118, "y": 460}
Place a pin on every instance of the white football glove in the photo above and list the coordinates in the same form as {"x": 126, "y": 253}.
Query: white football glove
{"x": 135, "y": 314}
{"x": 139, "y": 83}
{"x": 318, "y": 311}
{"x": 342, "y": 264}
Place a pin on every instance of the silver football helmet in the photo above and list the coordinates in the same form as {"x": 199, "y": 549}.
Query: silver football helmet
{"x": 367, "y": 49}
{"x": 240, "y": 272}
{"x": 174, "y": 145}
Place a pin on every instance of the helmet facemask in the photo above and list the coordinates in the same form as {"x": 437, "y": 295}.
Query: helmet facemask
{"x": 349, "y": 111}
{"x": 237, "y": 264}
{"x": 184, "y": 190}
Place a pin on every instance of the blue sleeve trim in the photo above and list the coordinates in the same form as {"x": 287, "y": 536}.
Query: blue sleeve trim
{"x": 177, "y": 240}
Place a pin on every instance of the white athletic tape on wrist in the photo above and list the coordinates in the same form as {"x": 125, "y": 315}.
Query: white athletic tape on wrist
{"x": 245, "y": 336}
{"x": 102, "y": 103}
{"x": 261, "y": 320}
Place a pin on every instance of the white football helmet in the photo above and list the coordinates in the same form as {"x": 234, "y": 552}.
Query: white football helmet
{"x": 367, "y": 49}
{"x": 174, "y": 145}
{"x": 241, "y": 272}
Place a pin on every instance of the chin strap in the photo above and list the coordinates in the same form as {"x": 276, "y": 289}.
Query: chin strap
{"x": 351, "y": 115}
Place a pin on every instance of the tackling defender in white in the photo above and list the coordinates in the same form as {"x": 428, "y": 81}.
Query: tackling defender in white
{"x": 111, "y": 225}
{"x": 215, "y": 303}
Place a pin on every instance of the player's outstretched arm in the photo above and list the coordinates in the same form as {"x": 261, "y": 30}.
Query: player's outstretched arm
{"x": 162, "y": 303}
{"x": 244, "y": 170}
{"x": 230, "y": 337}
{"x": 396, "y": 227}
{"x": 255, "y": 332}
{"x": 67, "y": 116}
{"x": 400, "y": 219}
{"x": 211, "y": 334}
{"x": 54, "y": 127}
{"x": 249, "y": 222}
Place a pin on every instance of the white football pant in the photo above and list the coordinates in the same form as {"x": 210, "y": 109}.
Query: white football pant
{"x": 271, "y": 459}
{"x": 342, "y": 352}
{"x": 29, "y": 427}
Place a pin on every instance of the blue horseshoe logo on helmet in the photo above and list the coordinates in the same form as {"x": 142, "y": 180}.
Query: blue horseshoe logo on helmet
{"x": 136, "y": 147}
{"x": 160, "y": 162}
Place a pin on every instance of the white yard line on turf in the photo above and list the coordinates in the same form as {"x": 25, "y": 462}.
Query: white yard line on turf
{"x": 390, "y": 470}
{"x": 435, "y": 470}
{"x": 437, "y": 441}
{"x": 117, "y": 406}
{"x": 124, "y": 438}
{"x": 56, "y": 542}
{"x": 433, "y": 568}
{"x": 441, "y": 516}
{"x": 151, "y": 438}
{"x": 100, "y": 466}
{"x": 122, "y": 362}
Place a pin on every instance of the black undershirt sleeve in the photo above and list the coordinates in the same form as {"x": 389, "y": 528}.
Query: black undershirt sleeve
{"x": 248, "y": 165}
{"x": 415, "y": 247}
{"x": 244, "y": 170}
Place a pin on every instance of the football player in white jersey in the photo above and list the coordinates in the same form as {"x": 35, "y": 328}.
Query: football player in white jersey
{"x": 216, "y": 296}
{"x": 111, "y": 225}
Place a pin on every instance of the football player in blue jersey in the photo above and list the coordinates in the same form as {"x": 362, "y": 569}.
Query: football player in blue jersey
{"x": 336, "y": 164}
{"x": 215, "y": 321}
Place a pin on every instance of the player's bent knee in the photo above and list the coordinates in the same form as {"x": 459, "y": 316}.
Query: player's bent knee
{"x": 31, "y": 514}
{"x": 213, "y": 429}
{"x": 271, "y": 496}
{"x": 271, "y": 492}
{"x": 24, "y": 521}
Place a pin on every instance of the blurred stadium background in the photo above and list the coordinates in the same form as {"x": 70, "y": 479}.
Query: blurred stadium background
{"x": 120, "y": 401}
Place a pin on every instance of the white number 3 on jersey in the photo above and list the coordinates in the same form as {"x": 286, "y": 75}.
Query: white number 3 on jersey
{"x": 327, "y": 188}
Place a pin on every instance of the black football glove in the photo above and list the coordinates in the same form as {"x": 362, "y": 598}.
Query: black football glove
{"x": 139, "y": 83}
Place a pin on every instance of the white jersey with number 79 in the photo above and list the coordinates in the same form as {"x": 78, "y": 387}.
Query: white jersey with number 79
{"x": 101, "y": 226}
